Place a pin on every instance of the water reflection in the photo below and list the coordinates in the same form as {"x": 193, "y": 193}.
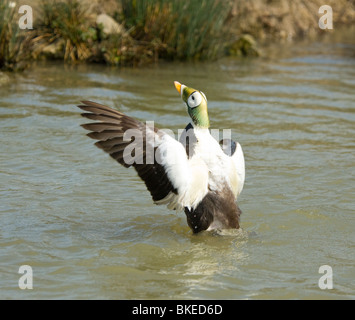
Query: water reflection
{"x": 182, "y": 266}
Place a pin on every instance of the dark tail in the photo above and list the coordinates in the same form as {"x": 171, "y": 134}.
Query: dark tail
{"x": 223, "y": 211}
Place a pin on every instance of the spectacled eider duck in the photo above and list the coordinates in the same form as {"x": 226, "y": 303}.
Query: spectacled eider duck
{"x": 196, "y": 174}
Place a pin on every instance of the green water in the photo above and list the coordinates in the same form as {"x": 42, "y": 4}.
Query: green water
{"x": 88, "y": 228}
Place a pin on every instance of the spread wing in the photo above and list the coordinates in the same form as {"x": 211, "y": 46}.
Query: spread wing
{"x": 235, "y": 151}
{"x": 160, "y": 160}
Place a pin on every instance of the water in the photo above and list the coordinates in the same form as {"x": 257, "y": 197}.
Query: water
{"x": 88, "y": 228}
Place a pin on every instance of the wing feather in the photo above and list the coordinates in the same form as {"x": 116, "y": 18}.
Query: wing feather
{"x": 165, "y": 178}
{"x": 234, "y": 150}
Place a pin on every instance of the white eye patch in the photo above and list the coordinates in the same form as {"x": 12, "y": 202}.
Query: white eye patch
{"x": 204, "y": 95}
{"x": 194, "y": 99}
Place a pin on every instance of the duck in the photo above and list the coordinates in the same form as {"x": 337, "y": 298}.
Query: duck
{"x": 195, "y": 174}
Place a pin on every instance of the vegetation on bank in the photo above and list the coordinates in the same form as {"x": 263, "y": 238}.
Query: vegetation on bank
{"x": 150, "y": 30}
{"x": 14, "y": 45}
{"x": 143, "y": 31}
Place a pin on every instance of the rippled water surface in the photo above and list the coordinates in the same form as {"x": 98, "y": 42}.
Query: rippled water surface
{"x": 88, "y": 228}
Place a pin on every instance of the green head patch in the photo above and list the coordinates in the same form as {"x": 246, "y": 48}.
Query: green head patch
{"x": 196, "y": 103}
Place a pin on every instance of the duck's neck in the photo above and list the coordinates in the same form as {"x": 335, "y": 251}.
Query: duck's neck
{"x": 198, "y": 128}
{"x": 200, "y": 117}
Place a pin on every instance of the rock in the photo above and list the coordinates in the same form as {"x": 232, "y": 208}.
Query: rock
{"x": 244, "y": 46}
{"x": 54, "y": 50}
{"x": 4, "y": 79}
{"x": 110, "y": 26}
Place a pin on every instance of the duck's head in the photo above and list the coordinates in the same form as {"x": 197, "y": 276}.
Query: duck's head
{"x": 196, "y": 102}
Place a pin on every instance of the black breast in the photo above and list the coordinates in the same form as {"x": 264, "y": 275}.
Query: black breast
{"x": 218, "y": 208}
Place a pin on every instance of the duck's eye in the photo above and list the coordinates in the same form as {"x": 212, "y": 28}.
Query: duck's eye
{"x": 194, "y": 100}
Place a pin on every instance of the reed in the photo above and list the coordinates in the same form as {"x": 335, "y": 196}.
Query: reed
{"x": 176, "y": 29}
{"x": 123, "y": 50}
{"x": 14, "y": 46}
{"x": 65, "y": 24}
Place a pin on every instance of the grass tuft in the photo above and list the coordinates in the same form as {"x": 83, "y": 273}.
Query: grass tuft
{"x": 14, "y": 46}
{"x": 65, "y": 24}
{"x": 178, "y": 30}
